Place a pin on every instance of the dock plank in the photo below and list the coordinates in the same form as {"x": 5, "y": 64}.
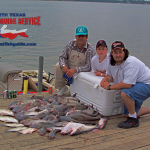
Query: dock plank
{"x": 143, "y": 148}
{"x": 107, "y": 142}
{"x": 84, "y": 141}
{"x": 6, "y": 146}
{"x": 132, "y": 145}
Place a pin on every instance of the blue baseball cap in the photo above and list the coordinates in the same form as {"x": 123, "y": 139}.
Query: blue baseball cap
{"x": 81, "y": 30}
{"x": 101, "y": 42}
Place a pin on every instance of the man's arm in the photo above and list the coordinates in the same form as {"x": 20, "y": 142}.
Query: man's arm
{"x": 106, "y": 79}
{"x": 65, "y": 69}
{"x": 62, "y": 59}
{"x": 118, "y": 86}
{"x": 85, "y": 68}
{"x": 64, "y": 55}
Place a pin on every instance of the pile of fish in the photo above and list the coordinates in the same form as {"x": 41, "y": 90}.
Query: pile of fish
{"x": 51, "y": 114}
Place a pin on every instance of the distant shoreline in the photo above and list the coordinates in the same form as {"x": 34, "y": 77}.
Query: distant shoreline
{"x": 144, "y": 3}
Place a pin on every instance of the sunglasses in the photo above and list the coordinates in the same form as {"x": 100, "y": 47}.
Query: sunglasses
{"x": 80, "y": 36}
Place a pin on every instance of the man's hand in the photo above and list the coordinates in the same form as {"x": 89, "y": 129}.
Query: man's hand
{"x": 70, "y": 72}
{"x": 102, "y": 82}
{"x": 105, "y": 85}
{"x": 65, "y": 69}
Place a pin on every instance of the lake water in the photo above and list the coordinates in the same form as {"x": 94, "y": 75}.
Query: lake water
{"x": 126, "y": 22}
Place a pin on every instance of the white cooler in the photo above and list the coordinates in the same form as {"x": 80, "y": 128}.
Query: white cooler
{"x": 88, "y": 89}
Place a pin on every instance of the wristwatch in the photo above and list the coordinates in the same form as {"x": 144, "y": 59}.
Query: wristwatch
{"x": 108, "y": 88}
{"x": 62, "y": 66}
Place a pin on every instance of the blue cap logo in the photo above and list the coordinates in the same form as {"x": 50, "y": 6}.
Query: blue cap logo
{"x": 81, "y": 30}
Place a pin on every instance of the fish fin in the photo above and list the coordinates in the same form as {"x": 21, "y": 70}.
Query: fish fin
{"x": 68, "y": 100}
{"x": 101, "y": 116}
{"x": 74, "y": 108}
{"x": 82, "y": 115}
{"x": 55, "y": 110}
{"x": 74, "y": 95}
{"x": 96, "y": 109}
{"x": 72, "y": 133}
{"x": 88, "y": 108}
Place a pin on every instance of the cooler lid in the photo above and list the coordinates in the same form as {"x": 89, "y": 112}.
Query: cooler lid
{"x": 89, "y": 76}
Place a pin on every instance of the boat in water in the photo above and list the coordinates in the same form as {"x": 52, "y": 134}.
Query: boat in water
{"x": 17, "y": 82}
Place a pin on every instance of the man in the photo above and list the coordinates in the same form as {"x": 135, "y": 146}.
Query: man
{"x": 75, "y": 58}
{"x": 132, "y": 77}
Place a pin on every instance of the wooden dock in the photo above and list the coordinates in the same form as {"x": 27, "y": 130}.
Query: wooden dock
{"x": 110, "y": 138}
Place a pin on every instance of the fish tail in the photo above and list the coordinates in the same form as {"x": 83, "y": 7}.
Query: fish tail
{"x": 97, "y": 126}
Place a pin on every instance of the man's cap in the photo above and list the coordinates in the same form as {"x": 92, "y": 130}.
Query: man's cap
{"x": 81, "y": 30}
{"x": 101, "y": 42}
{"x": 117, "y": 44}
